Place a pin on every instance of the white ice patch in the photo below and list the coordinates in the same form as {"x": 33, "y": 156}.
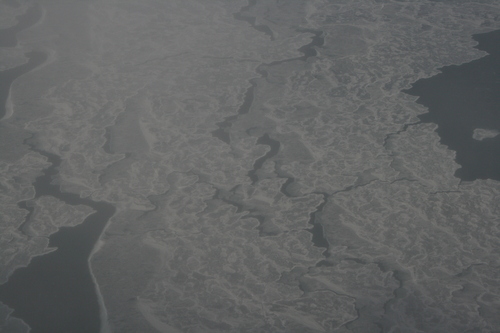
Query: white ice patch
{"x": 480, "y": 134}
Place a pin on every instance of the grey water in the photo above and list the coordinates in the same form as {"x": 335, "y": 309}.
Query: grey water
{"x": 8, "y": 36}
{"x": 55, "y": 293}
{"x": 251, "y": 20}
{"x": 273, "y": 151}
{"x": 8, "y": 76}
{"x": 461, "y": 99}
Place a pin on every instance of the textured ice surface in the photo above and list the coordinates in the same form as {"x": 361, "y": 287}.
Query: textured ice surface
{"x": 269, "y": 174}
{"x": 481, "y": 134}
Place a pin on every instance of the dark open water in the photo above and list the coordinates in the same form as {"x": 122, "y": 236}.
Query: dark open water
{"x": 8, "y": 38}
{"x": 55, "y": 293}
{"x": 29, "y": 18}
{"x": 461, "y": 99}
{"x": 8, "y": 76}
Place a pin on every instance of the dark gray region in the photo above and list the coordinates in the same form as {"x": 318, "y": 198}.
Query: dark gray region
{"x": 8, "y": 76}
{"x": 308, "y": 51}
{"x": 222, "y": 132}
{"x": 29, "y": 18}
{"x": 55, "y": 293}
{"x": 8, "y": 38}
{"x": 317, "y": 231}
{"x": 251, "y": 20}
{"x": 273, "y": 151}
{"x": 461, "y": 99}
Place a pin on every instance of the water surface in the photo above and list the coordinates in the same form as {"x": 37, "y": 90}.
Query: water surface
{"x": 32, "y": 15}
{"x": 55, "y": 293}
{"x": 464, "y": 98}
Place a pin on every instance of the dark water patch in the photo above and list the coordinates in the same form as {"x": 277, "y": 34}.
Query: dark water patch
{"x": 288, "y": 182}
{"x": 26, "y": 205}
{"x": 251, "y": 20}
{"x": 107, "y": 145}
{"x": 32, "y": 15}
{"x": 230, "y": 198}
{"x": 55, "y": 293}
{"x": 318, "y": 237}
{"x": 402, "y": 277}
{"x": 290, "y": 188}
{"x": 461, "y": 99}
{"x": 318, "y": 234}
{"x": 308, "y": 51}
{"x": 318, "y": 40}
{"x": 248, "y": 100}
{"x": 325, "y": 263}
{"x": 489, "y": 42}
{"x": 8, "y": 76}
{"x": 222, "y": 133}
{"x": 119, "y": 138}
{"x": 260, "y": 218}
{"x": 266, "y": 227}
{"x": 275, "y": 147}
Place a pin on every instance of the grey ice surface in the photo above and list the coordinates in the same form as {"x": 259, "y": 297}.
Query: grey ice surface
{"x": 132, "y": 97}
{"x": 481, "y": 134}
